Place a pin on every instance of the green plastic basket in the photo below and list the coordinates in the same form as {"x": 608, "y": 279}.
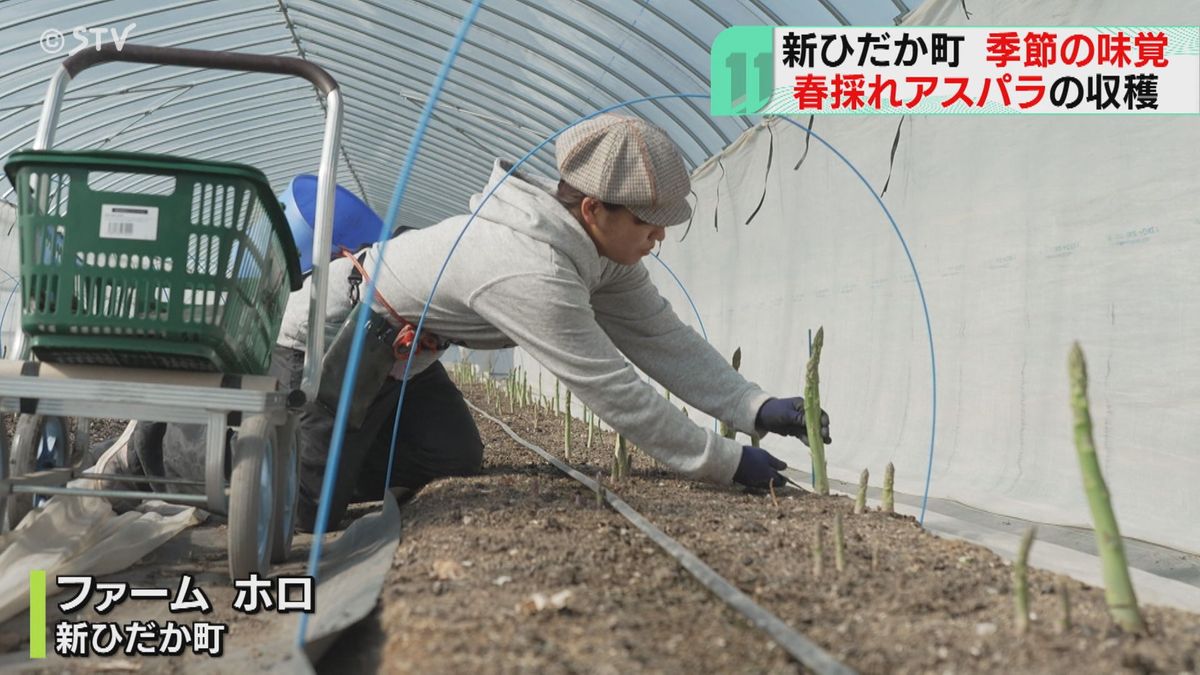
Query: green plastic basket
{"x": 150, "y": 261}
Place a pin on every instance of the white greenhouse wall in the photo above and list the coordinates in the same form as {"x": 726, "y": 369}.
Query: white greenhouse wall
{"x": 1028, "y": 233}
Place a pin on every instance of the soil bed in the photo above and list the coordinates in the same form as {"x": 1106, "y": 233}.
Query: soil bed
{"x": 475, "y": 550}
{"x": 907, "y": 602}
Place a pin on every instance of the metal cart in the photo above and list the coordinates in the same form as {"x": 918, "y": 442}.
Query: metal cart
{"x": 163, "y": 305}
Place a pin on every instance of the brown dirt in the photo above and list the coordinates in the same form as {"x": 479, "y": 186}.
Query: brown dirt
{"x": 908, "y": 601}
{"x": 524, "y": 528}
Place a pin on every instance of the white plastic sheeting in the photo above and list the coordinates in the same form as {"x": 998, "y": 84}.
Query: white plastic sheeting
{"x": 74, "y": 535}
{"x": 1027, "y": 233}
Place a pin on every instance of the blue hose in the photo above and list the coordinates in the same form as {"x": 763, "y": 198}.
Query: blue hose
{"x": 513, "y": 169}
{"x": 685, "y": 294}
{"x": 454, "y": 247}
{"x": 924, "y": 305}
{"x": 695, "y": 311}
{"x": 355, "y": 353}
{"x": 437, "y": 280}
{"x": 339, "y": 425}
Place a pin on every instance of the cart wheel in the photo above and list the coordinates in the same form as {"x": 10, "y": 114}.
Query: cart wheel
{"x": 3, "y": 475}
{"x": 39, "y": 442}
{"x": 81, "y": 440}
{"x": 287, "y": 487}
{"x": 251, "y": 506}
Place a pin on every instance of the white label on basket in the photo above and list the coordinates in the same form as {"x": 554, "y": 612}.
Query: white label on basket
{"x": 129, "y": 222}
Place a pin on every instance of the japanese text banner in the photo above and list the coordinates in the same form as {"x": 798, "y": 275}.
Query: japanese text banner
{"x": 956, "y": 70}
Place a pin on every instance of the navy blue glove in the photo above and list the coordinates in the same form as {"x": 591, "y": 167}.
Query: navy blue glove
{"x": 785, "y": 416}
{"x": 759, "y": 469}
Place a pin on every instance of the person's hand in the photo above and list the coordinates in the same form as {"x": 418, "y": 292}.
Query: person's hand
{"x": 759, "y": 469}
{"x": 785, "y": 416}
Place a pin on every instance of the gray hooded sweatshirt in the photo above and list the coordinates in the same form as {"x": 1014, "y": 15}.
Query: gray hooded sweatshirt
{"x": 527, "y": 274}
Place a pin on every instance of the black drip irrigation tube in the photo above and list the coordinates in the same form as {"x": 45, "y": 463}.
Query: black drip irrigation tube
{"x": 801, "y": 648}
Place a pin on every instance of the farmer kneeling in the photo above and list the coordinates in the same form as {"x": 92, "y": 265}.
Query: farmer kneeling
{"x": 556, "y": 270}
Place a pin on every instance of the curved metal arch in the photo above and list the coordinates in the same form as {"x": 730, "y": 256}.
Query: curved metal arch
{"x": 53, "y": 59}
{"x": 382, "y": 166}
{"x": 364, "y": 75}
{"x": 772, "y": 16}
{"x": 287, "y": 118}
{"x": 77, "y": 133}
{"x": 402, "y": 49}
{"x": 277, "y": 127}
{"x": 91, "y": 85}
{"x": 115, "y": 19}
{"x": 72, "y": 103}
{"x": 131, "y": 148}
{"x": 138, "y": 182}
{"x": 290, "y": 167}
{"x": 376, "y": 134}
{"x": 38, "y": 17}
{"x": 670, "y": 21}
{"x": 28, "y": 140}
{"x": 558, "y": 41}
{"x": 241, "y": 143}
{"x": 427, "y": 184}
{"x": 482, "y": 128}
{"x": 616, "y": 73}
{"x": 34, "y": 120}
{"x": 508, "y": 138}
{"x": 548, "y": 78}
{"x": 189, "y": 38}
{"x": 239, "y": 149}
{"x": 431, "y": 169}
{"x": 445, "y": 148}
{"x": 837, "y": 13}
{"x": 701, "y": 80}
{"x": 457, "y": 109}
{"x": 178, "y": 122}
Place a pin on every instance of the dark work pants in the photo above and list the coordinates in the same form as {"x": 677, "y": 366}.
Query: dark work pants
{"x": 437, "y": 438}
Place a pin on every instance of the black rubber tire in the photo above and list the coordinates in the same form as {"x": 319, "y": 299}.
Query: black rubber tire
{"x": 3, "y": 475}
{"x": 251, "y": 506}
{"x": 287, "y": 487}
{"x": 81, "y": 440}
{"x": 22, "y": 460}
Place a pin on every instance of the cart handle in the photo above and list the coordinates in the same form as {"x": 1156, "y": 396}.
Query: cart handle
{"x": 201, "y": 58}
{"x": 326, "y": 173}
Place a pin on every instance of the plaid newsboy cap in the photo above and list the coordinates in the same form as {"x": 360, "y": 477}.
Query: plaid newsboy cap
{"x": 626, "y": 161}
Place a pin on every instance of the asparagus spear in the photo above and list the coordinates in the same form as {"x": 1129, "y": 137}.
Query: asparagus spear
{"x": 567, "y": 428}
{"x": 839, "y": 543}
{"x": 1118, "y": 589}
{"x": 812, "y": 416}
{"x": 1064, "y": 602}
{"x": 818, "y": 553}
{"x": 1021, "y": 580}
{"x": 591, "y": 425}
{"x": 860, "y": 502}
{"x": 620, "y": 458}
{"x": 889, "y": 493}
{"x": 726, "y": 430}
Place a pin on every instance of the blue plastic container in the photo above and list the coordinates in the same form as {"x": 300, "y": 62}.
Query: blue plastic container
{"x": 354, "y": 223}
